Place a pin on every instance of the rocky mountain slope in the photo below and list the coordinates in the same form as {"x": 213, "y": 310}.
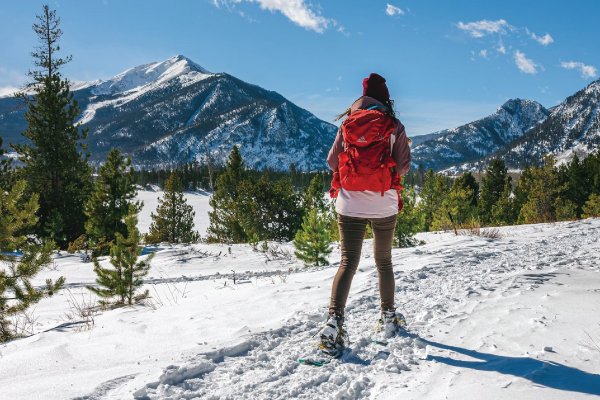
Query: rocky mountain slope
{"x": 572, "y": 128}
{"x": 165, "y": 113}
{"x": 480, "y": 138}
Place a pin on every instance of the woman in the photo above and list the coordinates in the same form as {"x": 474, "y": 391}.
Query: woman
{"x": 371, "y": 136}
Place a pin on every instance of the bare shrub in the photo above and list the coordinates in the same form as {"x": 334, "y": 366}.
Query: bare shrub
{"x": 24, "y": 323}
{"x": 592, "y": 344}
{"x": 474, "y": 228}
{"x": 82, "y": 312}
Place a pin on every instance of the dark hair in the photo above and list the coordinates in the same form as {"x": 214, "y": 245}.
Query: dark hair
{"x": 391, "y": 110}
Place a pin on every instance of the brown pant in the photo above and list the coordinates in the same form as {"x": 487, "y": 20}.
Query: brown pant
{"x": 352, "y": 233}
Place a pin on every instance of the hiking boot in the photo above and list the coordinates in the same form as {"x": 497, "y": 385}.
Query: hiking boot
{"x": 332, "y": 335}
{"x": 391, "y": 322}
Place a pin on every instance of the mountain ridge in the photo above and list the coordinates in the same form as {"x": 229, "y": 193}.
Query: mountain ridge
{"x": 479, "y": 138}
{"x": 165, "y": 113}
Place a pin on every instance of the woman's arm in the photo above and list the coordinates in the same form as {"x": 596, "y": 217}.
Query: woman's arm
{"x": 336, "y": 149}
{"x": 401, "y": 151}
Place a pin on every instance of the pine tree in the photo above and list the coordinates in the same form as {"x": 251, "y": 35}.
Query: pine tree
{"x": 457, "y": 203}
{"x": 576, "y": 185}
{"x": 17, "y": 292}
{"x": 225, "y": 218}
{"x": 468, "y": 181}
{"x": 314, "y": 196}
{"x": 522, "y": 189}
{"x": 503, "y": 212}
{"x": 433, "y": 193}
{"x": 544, "y": 195}
{"x": 408, "y": 219}
{"x": 269, "y": 210}
{"x": 54, "y": 158}
{"x": 111, "y": 199}
{"x": 7, "y": 175}
{"x": 331, "y": 217}
{"x": 312, "y": 241}
{"x": 125, "y": 277}
{"x": 492, "y": 188}
{"x": 591, "y": 209}
{"x": 174, "y": 218}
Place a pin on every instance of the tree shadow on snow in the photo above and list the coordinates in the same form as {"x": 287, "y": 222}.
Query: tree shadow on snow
{"x": 546, "y": 373}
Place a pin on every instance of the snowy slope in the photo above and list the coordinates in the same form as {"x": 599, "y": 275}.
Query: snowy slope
{"x": 480, "y": 314}
{"x": 163, "y": 113}
{"x": 480, "y": 138}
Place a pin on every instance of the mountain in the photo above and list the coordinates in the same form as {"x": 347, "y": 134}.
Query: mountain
{"x": 165, "y": 113}
{"x": 417, "y": 140}
{"x": 572, "y": 127}
{"x": 480, "y": 138}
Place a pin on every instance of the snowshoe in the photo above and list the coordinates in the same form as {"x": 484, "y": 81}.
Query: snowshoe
{"x": 332, "y": 336}
{"x": 391, "y": 323}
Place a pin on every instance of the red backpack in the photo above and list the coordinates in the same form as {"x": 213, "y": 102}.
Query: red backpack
{"x": 366, "y": 163}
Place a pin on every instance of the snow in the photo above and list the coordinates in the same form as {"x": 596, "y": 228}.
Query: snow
{"x": 198, "y": 200}
{"x": 135, "y": 78}
{"x": 137, "y": 81}
{"x": 488, "y": 319}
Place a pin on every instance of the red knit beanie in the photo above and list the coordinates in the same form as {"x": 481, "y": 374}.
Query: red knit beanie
{"x": 374, "y": 86}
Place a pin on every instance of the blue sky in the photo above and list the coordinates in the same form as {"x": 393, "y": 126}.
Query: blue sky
{"x": 447, "y": 62}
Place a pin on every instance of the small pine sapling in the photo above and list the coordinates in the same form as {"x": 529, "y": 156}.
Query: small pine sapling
{"x": 174, "y": 218}
{"x": 125, "y": 277}
{"x": 17, "y": 292}
{"x": 312, "y": 241}
{"x": 408, "y": 221}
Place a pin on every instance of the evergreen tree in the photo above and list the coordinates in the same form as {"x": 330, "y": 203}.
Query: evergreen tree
{"x": 125, "y": 277}
{"x": 314, "y": 196}
{"x": 492, "y": 188}
{"x": 6, "y": 173}
{"x": 17, "y": 292}
{"x": 522, "y": 190}
{"x": 331, "y": 216}
{"x": 457, "y": 203}
{"x": 225, "y": 219}
{"x": 408, "y": 221}
{"x": 544, "y": 196}
{"x": 312, "y": 241}
{"x": 433, "y": 193}
{"x": 591, "y": 209}
{"x": 572, "y": 176}
{"x": 111, "y": 199}
{"x": 503, "y": 212}
{"x": 174, "y": 218}
{"x": 54, "y": 158}
{"x": 269, "y": 210}
{"x": 468, "y": 181}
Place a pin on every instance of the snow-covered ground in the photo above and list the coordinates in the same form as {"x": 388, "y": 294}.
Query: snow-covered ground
{"x": 198, "y": 200}
{"x": 488, "y": 319}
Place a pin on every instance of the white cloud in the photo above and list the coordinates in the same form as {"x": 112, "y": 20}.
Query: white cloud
{"x": 7, "y": 90}
{"x": 343, "y": 31}
{"x": 544, "y": 40}
{"x": 525, "y": 64}
{"x": 483, "y": 54}
{"x": 485, "y": 27}
{"x": 391, "y": 10}
{"x": 587, "y": 71}
{"x": 296, "y": 11}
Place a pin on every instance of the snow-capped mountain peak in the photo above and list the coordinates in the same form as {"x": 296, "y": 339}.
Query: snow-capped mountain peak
{"x": 153, "y": 73}
{"x": 480, "y": 138}
{"x": 175, "y": 111}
